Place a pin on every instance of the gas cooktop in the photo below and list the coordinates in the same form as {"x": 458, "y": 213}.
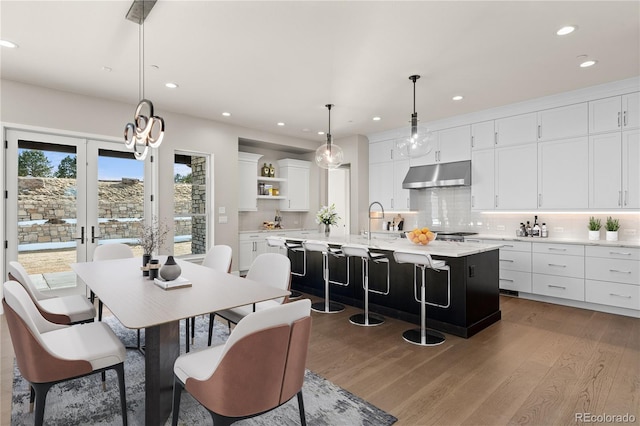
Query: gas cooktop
{"x": 453, "y": 236}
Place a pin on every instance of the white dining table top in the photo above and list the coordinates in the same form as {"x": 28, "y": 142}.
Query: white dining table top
{"x": 138, "y": 303}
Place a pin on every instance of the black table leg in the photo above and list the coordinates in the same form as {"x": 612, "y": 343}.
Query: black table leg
{"x": 162, "y": 348}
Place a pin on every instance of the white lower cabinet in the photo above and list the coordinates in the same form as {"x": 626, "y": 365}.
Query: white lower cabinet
{"x": 515, "y": 266}
{"x": 613, "y": 276}
{"x": 557, "y": 286}
{"x": 558, "y": 270}
{"x": 250, "y": 246}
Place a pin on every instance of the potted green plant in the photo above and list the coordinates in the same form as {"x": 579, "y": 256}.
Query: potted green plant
{"x": 612, "y": 226}
{"x": 594, "y": 228}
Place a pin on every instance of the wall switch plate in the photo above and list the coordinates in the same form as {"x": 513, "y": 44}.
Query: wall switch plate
{"x": 222, "y": 210}
{"x": 500, "y": 227}
{"x": 223, "y": 219}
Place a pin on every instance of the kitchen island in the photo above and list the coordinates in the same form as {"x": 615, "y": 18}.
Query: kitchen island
{"x": 475, "y": 302}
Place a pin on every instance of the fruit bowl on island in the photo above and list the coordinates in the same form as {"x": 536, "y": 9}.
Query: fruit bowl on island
{"x": 421, "y": 236}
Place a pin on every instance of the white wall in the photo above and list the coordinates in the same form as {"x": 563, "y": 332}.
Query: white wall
{"x": 64, "y": 113}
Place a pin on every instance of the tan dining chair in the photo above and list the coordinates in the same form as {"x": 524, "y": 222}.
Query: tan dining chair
{"x": 259, "y": 368}
{"x": 272, "y": 269}
{"x": 58, "y": 309}
{"x": 48, "y": 353}
{"x": 219, "y": 258}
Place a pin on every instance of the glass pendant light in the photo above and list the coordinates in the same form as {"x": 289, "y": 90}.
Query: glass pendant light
{"x": 329, "y": 156}
{"x": 420, "y": 141}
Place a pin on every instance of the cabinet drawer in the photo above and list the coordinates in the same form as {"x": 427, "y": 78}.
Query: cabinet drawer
{"x": 570, "y": 249}
{"x": 554, "y": 264}
{"x": 613, "y": 294}
{"x": 516, "y": 246}
{"x": 564, "y": 287}
{"x": 616, "y": 270}
{"x": 251, "y": 237}
{"x": 515, "y": 260}
{"x": 613, "y": 252}
{"x": 515, "y": 280}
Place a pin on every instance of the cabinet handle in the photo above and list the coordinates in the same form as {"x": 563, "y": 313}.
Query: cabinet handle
{"x": 539, "y": 131}
{"x": 539, "y": 200}
{"x": 620, "y": 295}
{"x": 618, "y": 118}
{"x": 557, "y": 265}
{"x": 556, "y": 286}
{"x": 624, "y": 119}
{"x": 495, "y": 138}
{"x": 472, "y": 137}
{"x": 619, "y": 198}
{"x": 557, "y": 249}
{"x": 496, "y": 201}
{"x": 506, "y": 260}
{"x": 473, "y": 201}
{"x": 507, "y": 245}
{"x": 392, "y": 203}
{"x": 391, "y": 153}
{"x": 619, "y": 271}
{"x": 408, "y": 204}
{"x": 620, "y": 252}
{"x": 506, "y": 279}
{"x": 626, "y": 196}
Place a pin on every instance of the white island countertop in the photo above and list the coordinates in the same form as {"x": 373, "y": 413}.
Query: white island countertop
{"x": 434, "y": 248}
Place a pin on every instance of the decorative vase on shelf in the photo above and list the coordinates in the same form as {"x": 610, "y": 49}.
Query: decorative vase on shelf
{"x": 170, "y": 270}
{"x": 145, "y": 260}
{"x": 612, "y": 235}
{"x": 594, "y": 235}
{"x": 327, "y": 230}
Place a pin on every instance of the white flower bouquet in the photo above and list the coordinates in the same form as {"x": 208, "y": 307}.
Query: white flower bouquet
{"x": 327, "y": 215}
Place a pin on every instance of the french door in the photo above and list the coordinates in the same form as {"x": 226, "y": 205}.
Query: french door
{"x": 66, "y": 195}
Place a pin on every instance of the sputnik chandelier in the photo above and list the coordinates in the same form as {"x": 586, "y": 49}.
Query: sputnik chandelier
{"x": 147, "y": 129}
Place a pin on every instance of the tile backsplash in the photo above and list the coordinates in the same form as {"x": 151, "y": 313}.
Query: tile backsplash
{"x": 450, "y": 209}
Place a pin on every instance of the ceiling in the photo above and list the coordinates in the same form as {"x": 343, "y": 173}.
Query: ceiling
{"x": 271, "y": 61}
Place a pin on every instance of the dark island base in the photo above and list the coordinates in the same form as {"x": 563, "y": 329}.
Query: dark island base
{"x": 474, "y": 303}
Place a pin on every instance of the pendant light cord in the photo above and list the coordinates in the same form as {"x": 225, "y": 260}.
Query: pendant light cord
{"x": 141, "y": 56}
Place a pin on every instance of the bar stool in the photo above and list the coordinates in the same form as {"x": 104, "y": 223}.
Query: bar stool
{"x": 327, "y": 306}
{"x": 282, "y": 244}
{"x": 423, "y": 336}
{"x": 366, "y": 319}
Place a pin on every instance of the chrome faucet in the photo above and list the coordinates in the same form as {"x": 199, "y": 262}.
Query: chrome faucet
{"x": 369, "y": 225}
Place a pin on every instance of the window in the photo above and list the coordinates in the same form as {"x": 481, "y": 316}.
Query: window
{"x": 191, "y": 213}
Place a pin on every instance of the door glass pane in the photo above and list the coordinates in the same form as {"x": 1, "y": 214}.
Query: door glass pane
{"x": 190, "y": 204}
{"x": 120, "y": 199}
{"x": 47, "y": 212}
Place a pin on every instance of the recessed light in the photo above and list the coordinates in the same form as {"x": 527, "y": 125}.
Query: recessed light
{"x": 281, "y": 124}
{"x": 588, "y": 63}
{"x": 566, "y": 30}
{"x": 226, "y": 114}
{"x": 107, "y": 69}
{"x": 457, "y": 98}
{"x": 321, "y": 132}
{"x": 306, "y": 130}
{"x": 171, "y": 85}
{"x": 9, "y": 44}
{"x": 377, "y": 118}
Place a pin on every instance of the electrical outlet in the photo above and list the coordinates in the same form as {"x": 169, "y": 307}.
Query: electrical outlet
{"x": 223, "y": 219}
{"x": 222, "y": 210}
{"x": 500, "y": 227}
{"x": 629, "y": 231}
{"x": 558, "y": 229}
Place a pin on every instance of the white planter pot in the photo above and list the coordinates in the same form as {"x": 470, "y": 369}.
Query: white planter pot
{"x": 594, "y": 235}
{"x": 612, "y": 235}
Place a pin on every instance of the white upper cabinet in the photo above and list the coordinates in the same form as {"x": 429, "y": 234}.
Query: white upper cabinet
{"x": 605, "y": 170}
{"x": 400, "y": 199}
{"x": 563, "y": 174}
{"x": 381, "y": 183}
{"x": 516, "y": 177}
{"x": 564, "y": 122}
{"x": 631, "y": 169}
{"x": 247, "y": 181}
{"x": 483, "y": 135}
{"x": 296, "y": 184}
{"x": 516, "y": 130}
{"x": 454, "y": 144}
{"x": 482, "y": 180}
{"x": 614, "y": 113}
{"x": 380, "y": 152}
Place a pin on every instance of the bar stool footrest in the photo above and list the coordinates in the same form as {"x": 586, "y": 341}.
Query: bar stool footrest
{"x": 360, "y": 319}
{"x": 333, "y": 307}
{"x": 432, "y": 337}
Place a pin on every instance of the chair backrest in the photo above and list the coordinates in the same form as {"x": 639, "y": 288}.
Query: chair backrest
{"x": 313, "y": 245}
{"x": 272, "y": 269}
{"x": 112, "y": 251}
{"x": 275, "y": 241}
{"x": 415, "y": 257}
{"x": 218, "y": 257}
{"x": 18, "y": 273}
{"x": 262, "y": 364}
{"x": 26, "y": 326}
{"x": 356, "y": 250}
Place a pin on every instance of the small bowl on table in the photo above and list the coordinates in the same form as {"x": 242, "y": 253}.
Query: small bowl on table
{"x": 421, "y": 238}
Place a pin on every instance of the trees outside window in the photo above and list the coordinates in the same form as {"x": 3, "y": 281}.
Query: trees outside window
{"x": 34, "y": 163}
{"x": 66, "y": 168}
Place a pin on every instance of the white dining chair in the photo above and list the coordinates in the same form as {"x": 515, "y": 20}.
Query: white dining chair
{"x": 58, "y": 309}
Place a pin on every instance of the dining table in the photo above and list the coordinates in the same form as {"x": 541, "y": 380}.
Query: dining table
{"x": 138, "y": 303}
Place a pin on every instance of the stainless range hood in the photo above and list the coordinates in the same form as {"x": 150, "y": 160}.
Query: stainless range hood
{"x": 438, "y": 175}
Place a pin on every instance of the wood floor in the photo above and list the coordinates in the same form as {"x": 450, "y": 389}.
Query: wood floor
{"x": 540, "y": 365}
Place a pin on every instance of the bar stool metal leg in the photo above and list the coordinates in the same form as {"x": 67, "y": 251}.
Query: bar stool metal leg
{"x": 423, "y": 336}
{"x": 366, "y": 319}
{"x": 327, "y": 307}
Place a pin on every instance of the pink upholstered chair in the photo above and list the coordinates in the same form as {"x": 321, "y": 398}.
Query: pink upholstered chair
{"x": 60, "y": 310}
{"x": 49, "y": 353}
{"x": 259, "y": 368}
{"x": 110, "y": 252}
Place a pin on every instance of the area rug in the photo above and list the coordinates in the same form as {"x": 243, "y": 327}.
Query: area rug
{"x": 82, "y": 401}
